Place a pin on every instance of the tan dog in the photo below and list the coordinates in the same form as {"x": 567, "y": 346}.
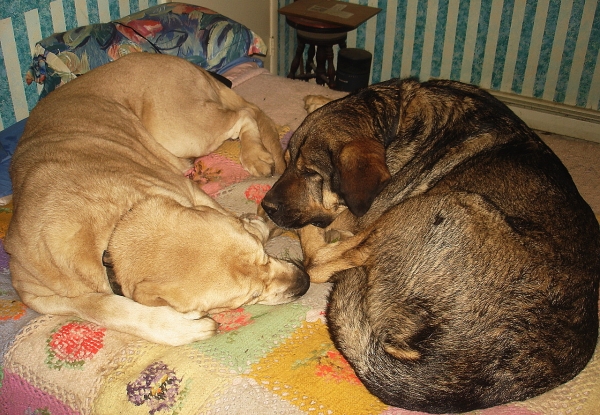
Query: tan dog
{"x": 465, "y": 264}
{"x": 101, "y": 167}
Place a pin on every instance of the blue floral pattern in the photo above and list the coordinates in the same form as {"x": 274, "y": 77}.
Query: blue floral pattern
{"x": 195, "y": 33}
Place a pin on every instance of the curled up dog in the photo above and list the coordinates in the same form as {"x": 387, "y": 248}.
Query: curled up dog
{"x": 465, "y": 264}
{"x": 99, "y": 175}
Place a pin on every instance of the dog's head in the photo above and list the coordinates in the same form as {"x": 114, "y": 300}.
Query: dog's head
{"x": 198, "y": 259}
{"x": 334, "y": 162}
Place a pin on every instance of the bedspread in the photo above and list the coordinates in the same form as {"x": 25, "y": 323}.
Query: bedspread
{"x": 264, "y": 359}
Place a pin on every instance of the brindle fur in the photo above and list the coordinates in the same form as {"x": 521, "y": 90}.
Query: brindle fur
{"x": 468, "y": 276}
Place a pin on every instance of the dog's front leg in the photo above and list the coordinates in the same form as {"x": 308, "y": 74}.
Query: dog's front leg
{"x": 327, "y": 251}
{"x": 312, "y": 239}
{"x": 254, "y": 157}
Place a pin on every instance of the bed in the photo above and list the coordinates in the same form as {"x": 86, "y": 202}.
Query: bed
{"x": 264, "y": 359}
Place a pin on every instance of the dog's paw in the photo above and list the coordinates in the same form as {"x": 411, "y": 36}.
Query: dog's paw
{"x": 257, "y": 162}
{"x": 176, "y": 329}
{"x": 192, "y": 315}
{"x": 256, "y": 226}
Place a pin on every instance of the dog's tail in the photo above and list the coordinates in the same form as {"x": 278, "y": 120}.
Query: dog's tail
{"x": 372, "y": 353}
{"x": 380, "y": 352}
{"x": 161, "y": 325}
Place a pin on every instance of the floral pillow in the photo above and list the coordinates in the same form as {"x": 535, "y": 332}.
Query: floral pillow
{"x": 195, "y": 33}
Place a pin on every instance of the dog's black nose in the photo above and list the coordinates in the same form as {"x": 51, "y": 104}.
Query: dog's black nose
{"x": 302, "y": 283}
{"x": 270, "y": 207}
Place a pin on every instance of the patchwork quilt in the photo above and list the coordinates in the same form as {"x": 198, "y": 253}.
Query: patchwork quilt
{"x": 264, "y": 359}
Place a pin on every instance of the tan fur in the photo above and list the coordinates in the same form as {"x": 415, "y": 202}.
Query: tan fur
{"x": 100, "y": 167}
{"x": 313, "y": 102}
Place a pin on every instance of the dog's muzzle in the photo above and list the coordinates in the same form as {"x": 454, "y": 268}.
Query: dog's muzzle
{"x": 302, "y": 283}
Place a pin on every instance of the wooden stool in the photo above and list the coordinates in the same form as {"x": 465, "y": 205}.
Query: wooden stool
{"x": 320, "y": 37}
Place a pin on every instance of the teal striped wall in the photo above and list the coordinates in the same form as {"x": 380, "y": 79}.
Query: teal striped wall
{"x": 546, "y": 49}
{"x": 25, "y": 22}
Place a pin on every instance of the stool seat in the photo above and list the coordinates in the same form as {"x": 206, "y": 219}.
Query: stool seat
{"x": 320, "y": 38}
{"x": 309, "y": 25}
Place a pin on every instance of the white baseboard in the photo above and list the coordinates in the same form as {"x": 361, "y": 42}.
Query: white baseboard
{"x": 554, "y": 118}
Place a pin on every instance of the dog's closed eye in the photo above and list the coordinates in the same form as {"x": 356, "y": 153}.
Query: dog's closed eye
{"x": 309, "y": 174}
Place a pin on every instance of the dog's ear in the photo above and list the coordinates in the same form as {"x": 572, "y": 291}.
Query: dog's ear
{"x": 362, "y": 174}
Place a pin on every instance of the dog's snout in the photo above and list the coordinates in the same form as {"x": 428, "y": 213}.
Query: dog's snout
{"x": 302, "y": 282}
{"x": 288, "y": 282}
{"x": 270, "y": 206}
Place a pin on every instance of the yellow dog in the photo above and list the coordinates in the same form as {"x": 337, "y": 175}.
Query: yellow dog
{"x": 100, "y": 168}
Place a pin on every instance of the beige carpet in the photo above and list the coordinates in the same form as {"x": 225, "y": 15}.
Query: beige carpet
{"x": 582, "y": 158}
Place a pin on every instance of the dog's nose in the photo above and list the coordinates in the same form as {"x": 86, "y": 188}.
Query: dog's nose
{"x": 302, "y": 282}
{"x": 270, "y": 207}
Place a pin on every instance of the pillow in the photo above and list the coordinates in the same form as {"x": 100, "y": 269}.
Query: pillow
{"x": 8, "y": 143}
{"x": 195, "y": 33}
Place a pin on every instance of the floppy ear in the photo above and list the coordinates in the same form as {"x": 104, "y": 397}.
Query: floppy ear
{"x": 362, "y": 172}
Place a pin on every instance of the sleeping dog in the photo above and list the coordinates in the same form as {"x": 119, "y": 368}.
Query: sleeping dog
{"x": 464, "y": 262}
{"x": 99, "y": 173}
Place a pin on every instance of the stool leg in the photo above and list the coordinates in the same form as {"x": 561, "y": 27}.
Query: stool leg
{"x": 321, "y": 59}
{"x": 297, "y": 61}
{"x": 310, "y": 59}
{"x": 330, "y": 67}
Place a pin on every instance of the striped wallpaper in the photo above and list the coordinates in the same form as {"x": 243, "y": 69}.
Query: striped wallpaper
{"x": 25, "y": 22}
{"x": 546, "y": 49}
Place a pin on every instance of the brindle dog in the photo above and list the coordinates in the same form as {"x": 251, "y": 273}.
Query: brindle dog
{"x": 467, "y": 271}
